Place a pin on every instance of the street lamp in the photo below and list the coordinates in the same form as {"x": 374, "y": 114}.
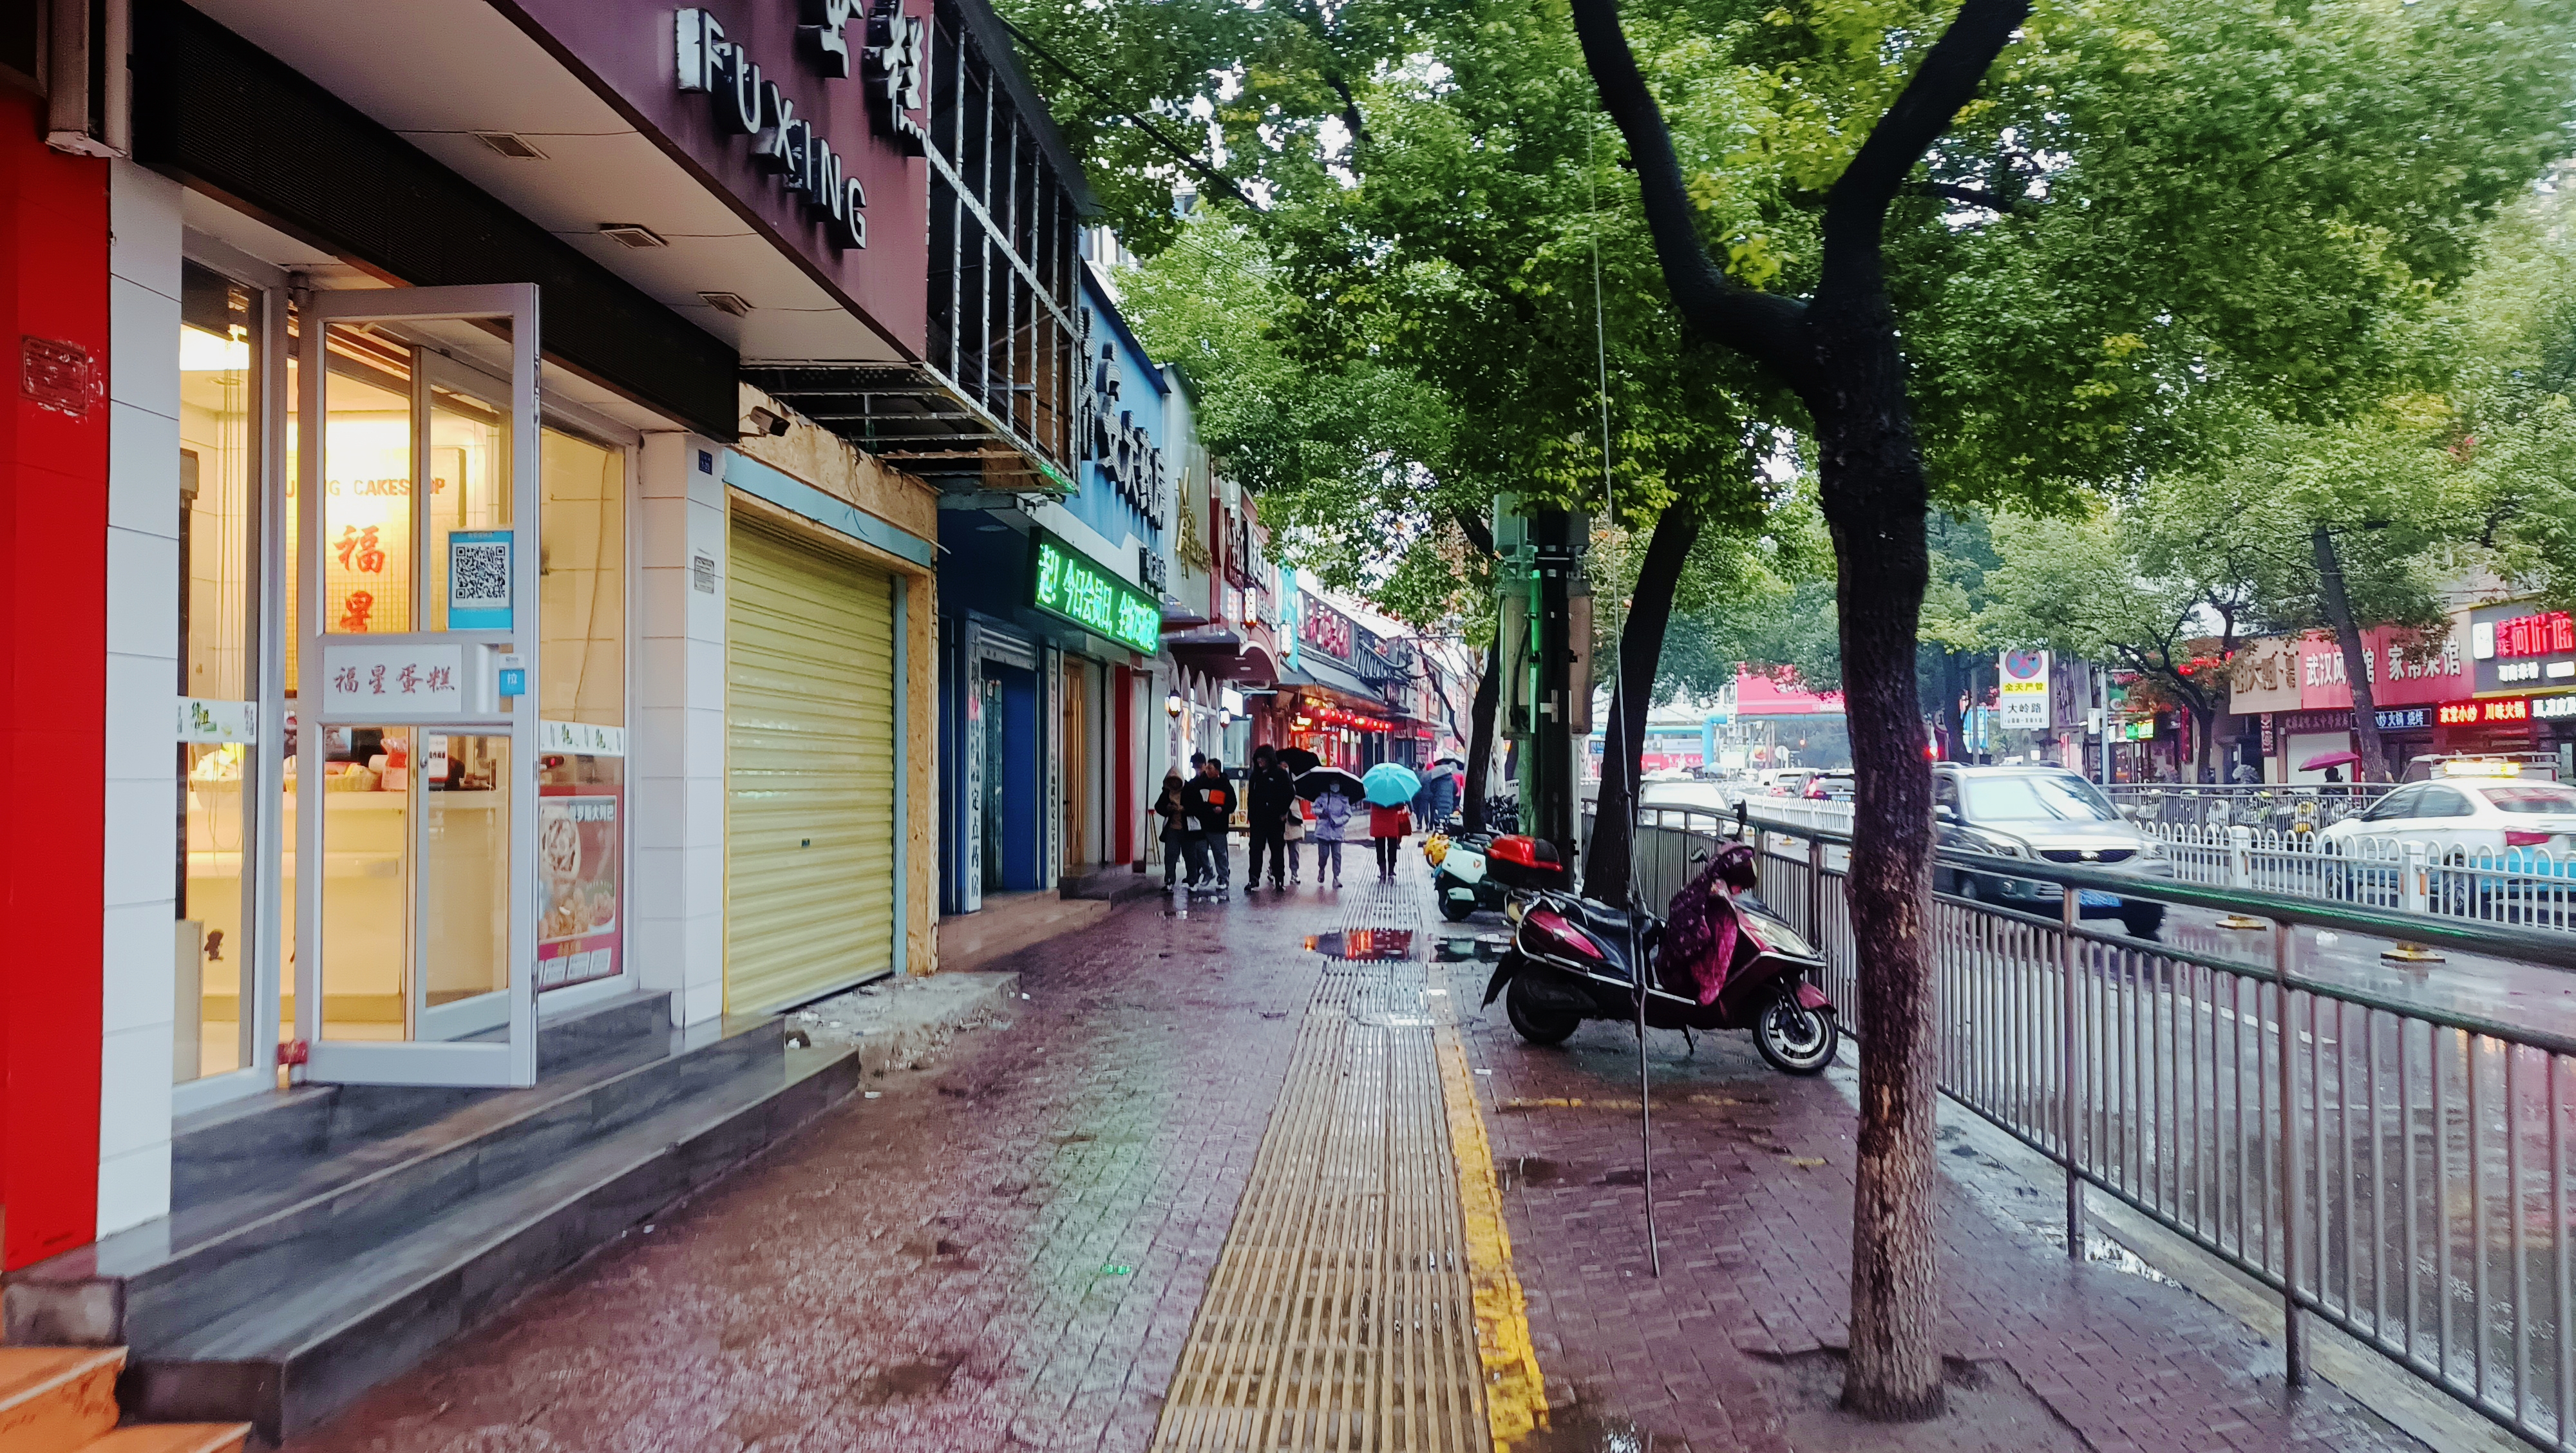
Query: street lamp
{"x": 1172, "y": 705}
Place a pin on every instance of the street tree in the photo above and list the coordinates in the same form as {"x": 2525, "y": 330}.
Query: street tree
{"x": 2156, "y": 212}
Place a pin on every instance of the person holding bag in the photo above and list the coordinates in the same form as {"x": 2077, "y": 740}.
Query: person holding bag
{"x": 1388, "y": 827}
{"x": 1292, "y": 831}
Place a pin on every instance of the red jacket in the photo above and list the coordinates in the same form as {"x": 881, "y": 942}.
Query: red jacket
{"x": 1388, "y": 821}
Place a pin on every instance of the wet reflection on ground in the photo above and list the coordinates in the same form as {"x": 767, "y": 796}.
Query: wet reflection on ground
{"x": 1363, "y": 943}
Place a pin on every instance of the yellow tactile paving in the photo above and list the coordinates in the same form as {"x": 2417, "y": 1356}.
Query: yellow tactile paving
{"x": 1364, "y": 1300}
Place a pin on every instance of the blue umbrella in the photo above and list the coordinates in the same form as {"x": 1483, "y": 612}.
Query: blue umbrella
{"x": 1390, "y": 785}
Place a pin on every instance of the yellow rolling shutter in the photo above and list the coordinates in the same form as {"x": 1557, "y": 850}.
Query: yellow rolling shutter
{"x": 809, "y": 772}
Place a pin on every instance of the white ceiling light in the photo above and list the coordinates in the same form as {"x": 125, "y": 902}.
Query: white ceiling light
{"x": 733, "y": 303}
{"x": 631, "y": 234}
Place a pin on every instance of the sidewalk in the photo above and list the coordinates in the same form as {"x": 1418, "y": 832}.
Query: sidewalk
{"x": 1737, "y": 1346}
{"x": 1009, "y": 1249}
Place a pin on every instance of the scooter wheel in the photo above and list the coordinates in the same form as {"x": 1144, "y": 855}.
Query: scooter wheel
{"x": 1455, "y": 911}
{"x": 1796, "y": 1040}
{"x": 1536, "y": 1022}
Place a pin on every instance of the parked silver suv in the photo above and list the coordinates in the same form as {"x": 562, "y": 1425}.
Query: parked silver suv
{"x": 2045, "y": 813}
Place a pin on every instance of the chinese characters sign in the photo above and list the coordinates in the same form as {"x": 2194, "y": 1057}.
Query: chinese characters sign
{"x": 2021, "y": 690}
{"x": 1066, "y": 583}
{"x": 2549, "y": 634}
{"x": 1323, "y": 628}
{"x": 393, "y": 683}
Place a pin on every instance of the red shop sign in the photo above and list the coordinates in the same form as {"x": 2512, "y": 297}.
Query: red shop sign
{"x": 2497, "y": 710}
{"x": 2547, "y": 634}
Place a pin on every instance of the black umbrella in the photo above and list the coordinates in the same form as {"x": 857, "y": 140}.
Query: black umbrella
{"x": 1298, "y": 760}
{"x": 1315, "y": 783}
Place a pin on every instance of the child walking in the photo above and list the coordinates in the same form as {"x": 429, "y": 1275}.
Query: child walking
{"x": 1332, "y": 810}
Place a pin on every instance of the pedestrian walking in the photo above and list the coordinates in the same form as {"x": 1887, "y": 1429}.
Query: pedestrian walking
{"x": 1332, "y": 810}
{"x": 1293, "y": 832}
{"x": 1180, "y": 832}
{"x": 1270, "y": 794}
{"x": 1387, "y": 829}
{"x": 1212, "y": 801}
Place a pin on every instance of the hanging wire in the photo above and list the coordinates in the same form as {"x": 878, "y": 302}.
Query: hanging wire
{"x": 1615, "y": 748}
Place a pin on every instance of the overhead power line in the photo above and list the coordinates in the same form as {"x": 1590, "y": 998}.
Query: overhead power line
{"x": 1168, "y": 142}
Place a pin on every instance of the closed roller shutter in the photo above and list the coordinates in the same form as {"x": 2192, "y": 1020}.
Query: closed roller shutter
{"x": 809, "y": 772}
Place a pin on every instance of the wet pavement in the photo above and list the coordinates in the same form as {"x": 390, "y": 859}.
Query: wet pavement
{"x": 1008, "y": 1249}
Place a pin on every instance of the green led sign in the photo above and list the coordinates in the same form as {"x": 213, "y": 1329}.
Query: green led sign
{"x": 1065, "y": 582}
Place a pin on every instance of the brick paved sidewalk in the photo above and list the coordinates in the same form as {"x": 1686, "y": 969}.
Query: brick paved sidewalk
{"x": 1004, "y": 1251}
{"x": 1753, "y": 1185}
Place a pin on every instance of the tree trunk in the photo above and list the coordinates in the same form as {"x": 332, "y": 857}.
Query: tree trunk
{"x": 1641, "y": 647}
{"x": 1875, "y": 500}
{"x": 2356, "y": 662}
{"x": 2202, "y": 719}
{"x": 1480, "y": 735}
{"x": 1839, "y": 352}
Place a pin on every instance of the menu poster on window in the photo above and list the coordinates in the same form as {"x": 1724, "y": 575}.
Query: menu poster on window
{"x": 577, "y": 885}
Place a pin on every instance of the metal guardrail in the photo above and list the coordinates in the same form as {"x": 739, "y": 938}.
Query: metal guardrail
{"x": 2529, "y": 886}
{"x": 2402, "y": 1172}
{"x": 2265, "y": 806}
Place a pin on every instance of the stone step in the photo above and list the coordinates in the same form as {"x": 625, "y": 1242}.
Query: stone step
{"x": 63, "y": 1400}
{"x": 56, "y": 1399}
{"x": 287, "y": 1352}
{"x": 153, "y": 1286}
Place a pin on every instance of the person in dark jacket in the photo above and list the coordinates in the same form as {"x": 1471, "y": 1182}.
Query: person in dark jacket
{"x": 1212, "y": 803}
{"x": 1181, "y": 837}
{"x": 1438, "y": 797}
{"x": 1269, "y": 796}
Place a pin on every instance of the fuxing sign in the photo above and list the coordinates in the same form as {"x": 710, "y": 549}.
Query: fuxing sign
{"x": 748, "y": 103}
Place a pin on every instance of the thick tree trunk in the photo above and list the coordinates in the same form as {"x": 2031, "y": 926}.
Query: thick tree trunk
{"x": 2202, "y": 721}
{"x": 2356, "y": 664}
{"x": 1875, "y": 500}
{"x": 1641, "y": 647}
{"x": 1480, "y": 735}
{"x": 1839, "y": 352}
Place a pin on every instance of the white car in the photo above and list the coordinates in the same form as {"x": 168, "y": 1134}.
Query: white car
{"x": 2501, "y": 817}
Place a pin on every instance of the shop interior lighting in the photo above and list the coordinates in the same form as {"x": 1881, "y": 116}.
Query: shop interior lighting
{"x": 632, "y": 234}
{"x": 511, "y": 144}
{"x": 730, "y": 303}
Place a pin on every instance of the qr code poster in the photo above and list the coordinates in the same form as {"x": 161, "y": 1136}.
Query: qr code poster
{"x": 577, "y": 887}
{"x": 478, "y": 580}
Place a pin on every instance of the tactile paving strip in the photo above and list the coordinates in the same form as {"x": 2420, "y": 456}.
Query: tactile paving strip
{"x": 1340, "y": 1318}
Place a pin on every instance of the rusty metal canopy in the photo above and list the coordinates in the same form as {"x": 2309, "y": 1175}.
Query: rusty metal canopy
{"x": 913, "y": 419}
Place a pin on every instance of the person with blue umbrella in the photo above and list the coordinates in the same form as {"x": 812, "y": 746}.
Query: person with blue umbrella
{"x": 1389, "y": 789}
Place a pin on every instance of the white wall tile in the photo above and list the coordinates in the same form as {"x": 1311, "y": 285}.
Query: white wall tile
{"x": 143, "y": 343}
{"x": 142, "y": 833}
{"x": 139, "y": 443}
{"x": 661, "y": 814}
{"x": 705, "y": 811}
{"x": 134, "y": 1187}
{"x": 143, "y": 599}
{"x": 706, "y": 662}
{"x": 142, "y": 717}
{"x": 662, "y": 601}
{"x": 703, "y": 1001}
{"x": 706, "y": 744}
{"x": 140, "y": 982}
{"x": 657, "y": 744}
{"x": 134, "y": 1089}
{"x": 703, "y": 880}
{"x": 143, "y": 224}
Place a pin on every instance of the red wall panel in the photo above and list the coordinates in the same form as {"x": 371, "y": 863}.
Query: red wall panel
{"x": 53, "y": 670}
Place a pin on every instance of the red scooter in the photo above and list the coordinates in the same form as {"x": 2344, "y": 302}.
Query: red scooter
{"x": 1569, "y": 962}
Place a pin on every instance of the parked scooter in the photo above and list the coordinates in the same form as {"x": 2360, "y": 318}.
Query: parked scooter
{"x": 1569, "y": 961}
{"x": 1473, "y": 870}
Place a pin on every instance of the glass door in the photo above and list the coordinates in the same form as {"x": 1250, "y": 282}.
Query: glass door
{"x": 417, "y": 543}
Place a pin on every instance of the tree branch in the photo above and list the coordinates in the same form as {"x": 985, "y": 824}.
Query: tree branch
{"x": 1948, "y": 78}
{"x": 1475, "y": 530}
{"x": 1762, "y": 326}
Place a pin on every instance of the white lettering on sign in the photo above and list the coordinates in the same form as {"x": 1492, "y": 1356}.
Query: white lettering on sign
{"x": 1113, "y": 439}
{"x": 899, "y": 70}
{"x": 393, "y": 683}
{"x": 748, "y": 103}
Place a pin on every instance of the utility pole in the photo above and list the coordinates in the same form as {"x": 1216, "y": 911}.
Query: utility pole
{"x": 2356, "y": 658}
{"x": 1545, "y": 631}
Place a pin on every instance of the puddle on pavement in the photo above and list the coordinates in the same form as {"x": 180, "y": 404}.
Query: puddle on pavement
{"x": 1371, "y": 944}
{"x": 1456, "y": 948}
{"x": 1580, "y": 1429}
